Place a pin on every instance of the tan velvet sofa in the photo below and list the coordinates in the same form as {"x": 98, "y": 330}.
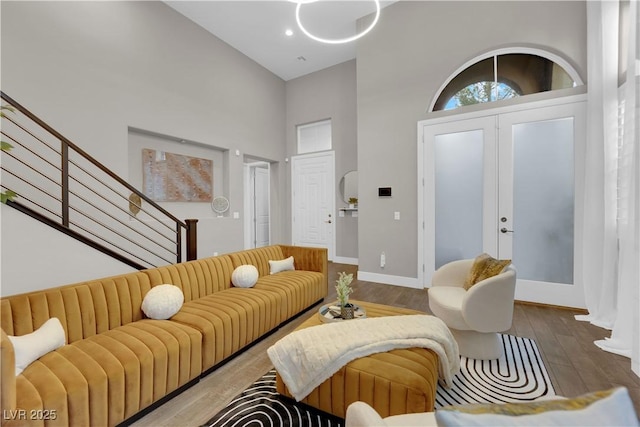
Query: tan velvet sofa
{"x": 116, "y": 362}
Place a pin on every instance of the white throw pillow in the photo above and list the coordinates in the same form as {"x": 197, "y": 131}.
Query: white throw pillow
{"x": 162, "y": 302}
{"x": 30, "y": 347}
{"x": 244, "y": 276}
{"x": 283, "y": 265}
{"x": 602, "y": 408}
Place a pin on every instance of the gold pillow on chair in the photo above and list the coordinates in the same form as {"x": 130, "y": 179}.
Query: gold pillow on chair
{"x": 484, "y": 266}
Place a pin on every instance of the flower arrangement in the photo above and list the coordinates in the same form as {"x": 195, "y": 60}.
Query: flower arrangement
{"x": 343, "y": 288}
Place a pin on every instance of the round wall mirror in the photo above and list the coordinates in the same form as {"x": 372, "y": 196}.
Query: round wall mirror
{"x": 349, "y": 187}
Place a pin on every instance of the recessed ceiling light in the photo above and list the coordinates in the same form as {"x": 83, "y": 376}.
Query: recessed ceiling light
{"x": 288, "y": 32}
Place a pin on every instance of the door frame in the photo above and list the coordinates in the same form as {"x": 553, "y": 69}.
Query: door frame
{"x": 249, "y": 214}
{"x": 331, "y": 248}
{"x": 423, "y": 216}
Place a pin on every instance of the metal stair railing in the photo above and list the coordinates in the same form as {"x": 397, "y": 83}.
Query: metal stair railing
{"x": 59, "y": 184}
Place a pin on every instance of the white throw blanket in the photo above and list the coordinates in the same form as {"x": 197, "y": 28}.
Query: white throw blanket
{"x": 307, "y": 357}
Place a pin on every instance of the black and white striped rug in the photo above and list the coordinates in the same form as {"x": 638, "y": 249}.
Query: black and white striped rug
{"x": 519, "y": 375}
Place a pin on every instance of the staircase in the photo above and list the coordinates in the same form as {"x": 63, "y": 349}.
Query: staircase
{"x": 54, "y": 181}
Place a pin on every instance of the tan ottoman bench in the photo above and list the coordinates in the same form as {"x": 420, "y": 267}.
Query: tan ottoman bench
{"x": 396, "y": 382}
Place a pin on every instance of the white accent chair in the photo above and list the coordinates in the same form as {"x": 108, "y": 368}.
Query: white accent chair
{"x": 360, "y": 414}
{"x": 606, "y": 408}
{"x": 475, "y": 316}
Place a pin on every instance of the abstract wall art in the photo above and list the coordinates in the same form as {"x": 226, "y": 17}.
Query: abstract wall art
{"x": 169, "y": 177}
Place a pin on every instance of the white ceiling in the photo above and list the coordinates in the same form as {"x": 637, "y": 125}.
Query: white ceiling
{"x": 257, "y": 29}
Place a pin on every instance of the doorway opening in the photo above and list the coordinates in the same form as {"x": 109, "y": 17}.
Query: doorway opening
{"x": 257, "y": 204}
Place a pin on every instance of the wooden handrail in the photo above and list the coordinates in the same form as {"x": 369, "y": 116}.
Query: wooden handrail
{"x": 66, "y": 230}
{"x": 66, "y": 223}
{"x": 87, "y": 156}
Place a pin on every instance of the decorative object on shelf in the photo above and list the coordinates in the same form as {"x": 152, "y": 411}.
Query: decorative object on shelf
{"x": 135, "y": 203}
{"x": 349, "y": 187}
{"x": 353, "y": 202}
{"x": 343, "y": 290}
{"x": 220, "y": 205}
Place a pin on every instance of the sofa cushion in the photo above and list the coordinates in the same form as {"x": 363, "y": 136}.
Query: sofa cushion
{"x": 84, "y": 309}
{"x": 230, "y": 319}
{"x": 298, "y": 289}
{"x": 107, "y": 378}
{"x": 258, "y": 257}
{"x": 30, "y": 347}
{"x": 602, "y": 408}
{"x": 244, "y": 276}
{"x": 162, "y": 301}
{"x": 484, "y": 266}
{"x": 276, "y": 266}
{"x": 197, "y": 278}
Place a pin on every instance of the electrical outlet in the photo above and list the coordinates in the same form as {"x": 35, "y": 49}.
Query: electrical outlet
{"x": 383, "y": 260}
{"x": 396, "y": 216}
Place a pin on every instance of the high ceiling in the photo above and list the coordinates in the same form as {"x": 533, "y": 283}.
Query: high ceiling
{"x": 257, "y": 29}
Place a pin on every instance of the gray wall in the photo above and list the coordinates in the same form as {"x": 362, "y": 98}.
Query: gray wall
{"x": 328, "y": 94}
{"x": 94, "y": 69}
{"x": 402, "y": 63}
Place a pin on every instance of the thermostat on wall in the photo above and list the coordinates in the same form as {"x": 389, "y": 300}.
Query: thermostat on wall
{"x": 384, "y": 191}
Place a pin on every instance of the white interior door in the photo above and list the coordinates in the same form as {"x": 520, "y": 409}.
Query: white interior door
{"x": 257, "y": 224}
{"x": 261, "y": 206}
{"x": 511, "y": 193}
{"x": 313, "y": 200}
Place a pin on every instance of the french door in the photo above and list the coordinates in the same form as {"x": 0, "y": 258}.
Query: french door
{"x": 508, "y": 184}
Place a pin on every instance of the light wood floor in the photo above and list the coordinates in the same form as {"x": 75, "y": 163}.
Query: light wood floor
{"x": 575, "y": 364}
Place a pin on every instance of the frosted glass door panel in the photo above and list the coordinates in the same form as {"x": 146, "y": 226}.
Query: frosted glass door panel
{"x": 543, "y": 200}
{"x": 458, "y": 195}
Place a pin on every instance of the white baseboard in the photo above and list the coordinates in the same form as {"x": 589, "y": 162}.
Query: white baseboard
{"x": 345, "y": 260}
{"x": 387, "y": 279}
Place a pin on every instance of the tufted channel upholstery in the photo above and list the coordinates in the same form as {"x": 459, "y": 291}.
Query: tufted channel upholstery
{"x": 395, "y": 382}
{"x": 113, "y": 354}
{"x": 117, "y": 362}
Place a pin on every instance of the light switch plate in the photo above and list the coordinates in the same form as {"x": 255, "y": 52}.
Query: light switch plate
{"x": 396, "y": 216}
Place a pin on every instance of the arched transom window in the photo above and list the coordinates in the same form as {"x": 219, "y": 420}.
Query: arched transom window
{"x": 503, "y": 76}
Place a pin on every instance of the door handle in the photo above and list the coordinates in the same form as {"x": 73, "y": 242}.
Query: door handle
{"x": 328, "y": 221}
{"x": 504, "y": 230}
